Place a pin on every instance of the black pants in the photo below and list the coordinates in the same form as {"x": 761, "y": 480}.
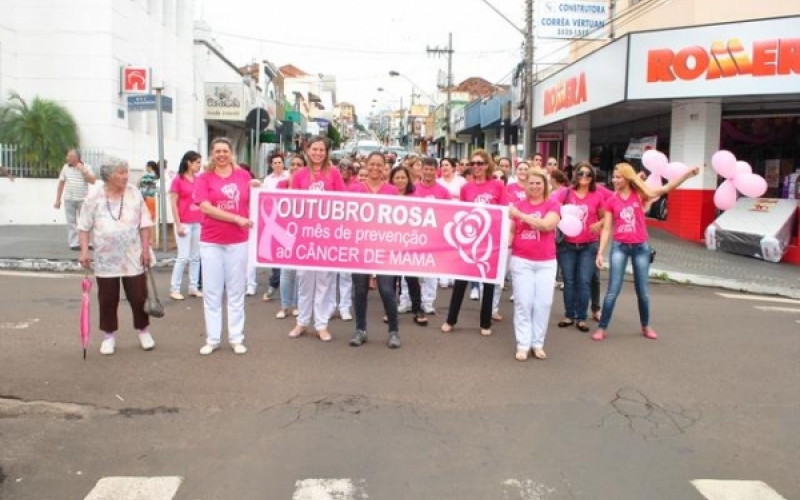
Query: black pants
{"x": 459, "y": 290}
{"x": 275, "y": 278}
{"x": 414, "y": 291}
{"x": 386, "y": 289}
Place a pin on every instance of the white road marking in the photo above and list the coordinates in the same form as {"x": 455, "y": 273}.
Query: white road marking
{"x": 36, "y": 274}
{"x": 758, "y": 298}
{"x": 714, "y": 489}
{"x": 778, "y": 309}
{"x": 135, "y": 488}
{"x": 526, "y": 489}
{"x": 21, "y": 325}
{"x": 329, "y": 489}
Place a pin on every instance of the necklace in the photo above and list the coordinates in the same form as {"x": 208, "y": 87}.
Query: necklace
{"x": 121, "y": 203}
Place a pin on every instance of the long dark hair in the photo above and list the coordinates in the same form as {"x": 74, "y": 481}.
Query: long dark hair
{"x": 153, "y": 166}
{"x": 585, "y": 166}
{"x": 410, "y": 185}
{"x": 188, "y": 157}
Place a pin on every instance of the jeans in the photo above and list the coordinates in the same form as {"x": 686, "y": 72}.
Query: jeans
{"x": 459, "y": 290}
{"x": 533, "y": 298}
{"x": 275, "y": 278}
{"x": 577, "y": 263}
{"x": 288, "y": 284}
{"x": 639, "y": 254}
{"x": 71, "y": 210}
{"x": 224, "y": 274}
{"x": 386, "y": 290}
{"x": 188, "y": 253}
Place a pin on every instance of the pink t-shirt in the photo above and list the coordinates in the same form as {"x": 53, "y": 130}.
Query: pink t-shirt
{"x": 491, "y": 192}
{"x": 530, "y": 243}
{"x": 515, "y": 193}
{"x": 385, "y": 188}
{"x": 628, "y": 216}
{"x": 435, "y": 190}
{"x": 607, "y": 193}
{"x": 188, "y": 211}
{"x": 231, "y": 194}
{"x": 305, "y": 179}
{"x": 453, "y": 186}
{"x": 589, "y": 205}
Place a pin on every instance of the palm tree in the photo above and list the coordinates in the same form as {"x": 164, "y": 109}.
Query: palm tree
{"x": 43, "y": 130}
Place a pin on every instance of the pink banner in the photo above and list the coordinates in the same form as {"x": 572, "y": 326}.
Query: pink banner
{"x": 391, "y": 235}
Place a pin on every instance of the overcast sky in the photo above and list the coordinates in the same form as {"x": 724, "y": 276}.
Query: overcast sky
{"x": 360, "y": 41}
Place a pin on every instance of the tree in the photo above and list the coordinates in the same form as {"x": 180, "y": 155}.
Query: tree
{"x": 334, "y": 136}
{"x": 43, "y": 130}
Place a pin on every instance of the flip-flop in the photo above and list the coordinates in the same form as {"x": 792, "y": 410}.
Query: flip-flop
{"x": 420, "y": 319}
{"x": 565, "y": 323}
{"x": 324, "y": 335}
{"x": 582, "y": 326}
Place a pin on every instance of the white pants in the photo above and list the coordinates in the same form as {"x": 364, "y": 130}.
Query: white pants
{"x": 345, "y": 292}
{"x": 224, "y": 268}
{"x": 405, "y": 298}
{"x": 498, "y": 293}
{"x": 429, "y": 291}
{"x": 316, "y": 294}
{"x": 252, "y": 280}
{"x": 72, "y": 209}
{"x": 188, "y": 253}
{"x": 533, "y": 298}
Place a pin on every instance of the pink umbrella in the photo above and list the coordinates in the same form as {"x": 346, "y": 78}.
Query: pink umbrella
{"x": 86, "y": 326}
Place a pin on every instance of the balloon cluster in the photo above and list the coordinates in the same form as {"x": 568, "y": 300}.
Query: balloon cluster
{"x": 660, "y": 168}
{"x": 738, "y": 176}
{"x": 571, "y": 224}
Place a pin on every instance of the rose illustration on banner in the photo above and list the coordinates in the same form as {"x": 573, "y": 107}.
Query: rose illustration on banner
{"x": 273, "y": 232}
{"x": 468, "y": 233}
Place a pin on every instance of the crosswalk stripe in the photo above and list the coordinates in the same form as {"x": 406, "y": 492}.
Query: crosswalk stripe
{"x": 778, "y": 309}
{"x": 135, "y": 488}
{"x": 758, "y": 298}
{"x": 714, "y": 489}
{"x": 329, "y": 489}
{"x": 526, "y": 489}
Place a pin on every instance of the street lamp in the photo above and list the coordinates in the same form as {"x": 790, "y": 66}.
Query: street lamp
{"x": 419, "y": 89}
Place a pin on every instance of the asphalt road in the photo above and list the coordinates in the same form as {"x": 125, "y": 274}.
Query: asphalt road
{"x": 445, "y": 417}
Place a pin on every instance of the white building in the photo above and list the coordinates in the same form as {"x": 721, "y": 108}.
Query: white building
{"x": 74, "y": 52}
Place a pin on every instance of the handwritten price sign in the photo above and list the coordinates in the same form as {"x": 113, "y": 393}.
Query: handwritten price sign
{"x": 392, "y": 235}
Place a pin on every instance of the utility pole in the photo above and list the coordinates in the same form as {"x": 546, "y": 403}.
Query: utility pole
{"x": 529, "y": 142}
{"x": 162, "y": 205}
{"x": 438, "y": 52}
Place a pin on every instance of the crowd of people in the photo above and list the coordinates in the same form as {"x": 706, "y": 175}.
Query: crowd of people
{"x": 212, "y": 223}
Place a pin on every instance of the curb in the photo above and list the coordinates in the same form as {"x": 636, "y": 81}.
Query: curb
{"x": 59, "y": 266}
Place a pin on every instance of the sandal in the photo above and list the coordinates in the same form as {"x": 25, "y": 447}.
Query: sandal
{"x": 565, "y": 323}
{"x": 486, "y": 332}
{"x": 539, "y": 353}
{"x": 447, "y": 328}
{"x": 420, "y": 319}
{"x": 497, "y": 317}
{"x": 582, "y": 326}
{"x": 386, "y": 319}
{"x": 297, "y": 331}
{"x": 324, "y": 335}
{"x": 522, "y": 354}
{"x": 596, "y": 315}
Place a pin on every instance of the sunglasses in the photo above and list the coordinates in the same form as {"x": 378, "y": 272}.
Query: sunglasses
{"x": 585, "y": 173}
{"x": 476, "y": 163}
{"x": 552, "y": 164}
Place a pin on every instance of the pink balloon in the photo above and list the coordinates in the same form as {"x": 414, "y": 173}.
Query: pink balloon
{"x": 742, "y": 168}
{"x": 725, "y": 197}
{"x": 675, "y": 170}
{"x": 571, "y": 210}
{"x": 655, "y": 161}
{"x": 751, "y": 185}
{"x": 654, "y": 181}
{"x": 724, "y": 164}
{"x": 570, "y": 226}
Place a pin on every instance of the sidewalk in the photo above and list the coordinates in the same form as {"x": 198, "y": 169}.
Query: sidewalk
{"x": 44, "y": 248}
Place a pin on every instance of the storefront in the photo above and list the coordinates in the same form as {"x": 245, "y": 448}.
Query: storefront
{"x": 690, "y": 92}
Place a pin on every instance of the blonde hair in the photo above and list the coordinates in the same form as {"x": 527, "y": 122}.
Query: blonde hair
{"x": 538, "y": 172}
{"x": 626, "y": 171}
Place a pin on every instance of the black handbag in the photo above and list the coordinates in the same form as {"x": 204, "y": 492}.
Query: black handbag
{"x": 152, "y": 306}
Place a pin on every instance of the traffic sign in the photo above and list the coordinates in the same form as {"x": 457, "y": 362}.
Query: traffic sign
{"x": 147, "y": 102}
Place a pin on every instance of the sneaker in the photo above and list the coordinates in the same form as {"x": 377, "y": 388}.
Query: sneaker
{"x": 239, "y": 348}
{"x": 474, "y": 294}
{"x": 176, "y": 296}
{"x": 358, "y": 338}
{"x": 295, "y": 312}
{"x": 403, "y": 308}
{"x": 394, "y": 340}
{"x": 208, "y": 349}
{"x": 428, "y": 309}
{"x": 251, "y": 290}
{"x": 146, "y": 340}
{"x": 345, "y": 315}
{"x": 281, "y": 314}
{"x": 196, "y": 293}
{"x": 107, "y": 347}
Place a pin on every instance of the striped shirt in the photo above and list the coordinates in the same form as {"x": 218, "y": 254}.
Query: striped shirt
{"x": 75, "y": 186}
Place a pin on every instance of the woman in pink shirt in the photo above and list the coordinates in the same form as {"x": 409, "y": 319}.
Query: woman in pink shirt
{"x": 517, "y": 190}
{"x": 186, "y": 216}
{"x": 483, "y": 190}
{"x": 533, "y": 264}
{"x": 316, "y": 290}
{"x": 624, "y": 218}
{"x": 223, "y": 194}
{"x": 576, "y": 254}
